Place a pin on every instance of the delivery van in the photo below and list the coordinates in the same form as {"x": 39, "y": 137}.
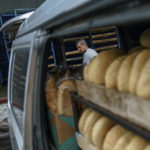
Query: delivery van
{"x": 46, "y": 41}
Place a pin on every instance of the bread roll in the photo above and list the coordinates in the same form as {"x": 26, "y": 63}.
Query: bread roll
{"x": 136, "y": 143}
{"x": 123, "y": 141}
{"x": 137, "y": 66}
{"x": 98, "y": 66}
{"x": 85, "y": 73}
{"x": 124, "y": 72}
{"x": 143, "y": 85}
{"x": 51, "y": 93}
{"x": 86, "y": 69}
{"x": 145, "y": 38}
{"x": 83, "y": 118}
{"x": 147, "y": 147}
{"x": 112, "y": 137}
{"x": 112, "y": 71}
{"x": 89, "y": 123}
{"x": 100, "y": 130}
{"x": 64, "y": 105}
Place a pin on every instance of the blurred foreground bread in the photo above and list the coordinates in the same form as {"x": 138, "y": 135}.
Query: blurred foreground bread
{"x": 113, "y": 136}
{"x": 136, "y": 143}
{"x": 85, "y": 73}
{"x": 89, "y": 123}
{"x": 124, "y": 72}
{"x": 99, "y": 131}
{"x": 123, "y": 141}
{"x": 147, "y": 147}
{"x": 51, "y": 93}
{"x": 98, "y": 66}
{"x": 64, "y": 106}
{"x": 112, "y": 72}
{"x": 83, "y": 118}
{"x": 145, "y": 38}
{"x": 137, "y": 66}
{"x": 143, "y": 85}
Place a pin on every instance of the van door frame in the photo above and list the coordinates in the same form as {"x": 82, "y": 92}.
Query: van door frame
{"x": 23, "y": 42}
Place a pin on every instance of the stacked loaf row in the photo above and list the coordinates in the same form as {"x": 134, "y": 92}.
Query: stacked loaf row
{"x": 104, "y": 134}
{"x": 125, "y": 72}
{"x": 58, "y": 95}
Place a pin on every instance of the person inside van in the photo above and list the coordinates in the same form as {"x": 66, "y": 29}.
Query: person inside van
{"x": 88, "y": 53}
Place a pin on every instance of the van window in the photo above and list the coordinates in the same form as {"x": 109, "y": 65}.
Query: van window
{"x": 18, "y": 83}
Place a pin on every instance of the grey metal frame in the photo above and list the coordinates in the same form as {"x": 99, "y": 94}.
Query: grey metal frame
{"x": 27, "y": 114}
{"x": 37, "y": 61}
{"x": 13, "y": 125}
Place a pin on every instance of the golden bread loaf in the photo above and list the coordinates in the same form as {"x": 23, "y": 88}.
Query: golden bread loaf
{"x": 64, "y": 105}
{"x": 124, "y": 72}
{"x": 99, "y": 131}
{"x": 136, "y": 143}
{"x": 89, "y": 123}
{"x": 145, "y": 38}
{"x": 123, "y": 141}
{"x": 51, "y": 93}
{"x": 83, "y": 118}
{"x": 85, "y": 73}
{"x": 147, "y": 147}
{"x": 113, "y": 136}
{"x": 137, "y": 66}
{"x": 112, "y": 71}
{"x": 143, "y": 85}
{"x": 98, "y": 66}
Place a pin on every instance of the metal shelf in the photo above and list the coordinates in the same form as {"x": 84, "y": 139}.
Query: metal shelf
{"x": 125, "y": 123}
{"x": 99, "y": 39}
{"x": 5, "y": 43}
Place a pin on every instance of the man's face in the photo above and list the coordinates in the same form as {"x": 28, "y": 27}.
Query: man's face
{"x": 81, "y": 48}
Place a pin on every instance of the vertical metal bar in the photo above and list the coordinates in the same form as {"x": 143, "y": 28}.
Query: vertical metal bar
{"x": 1, "y": 21}
{"x": 6, "y": 46}
{"x": 1, "y": 78}
{"x": 15, "y": 13}
{"x": 91, "y": 41}
{"x": 118, "y": 43}
{"x": 53, "y": 52}
{"x": 4, "y": 39}
{"x": 63, "y": 51}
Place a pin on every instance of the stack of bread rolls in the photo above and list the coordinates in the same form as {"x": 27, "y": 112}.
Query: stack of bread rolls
{"x": 58, "y": 98}
{"x": 125, "y": 72}
{"x": 104, "y": 134}
{"x": 96, "y": 69}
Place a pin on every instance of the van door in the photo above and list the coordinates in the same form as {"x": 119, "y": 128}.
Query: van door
{"x": 17, "y": 89}
{"x": 20, "y": 58}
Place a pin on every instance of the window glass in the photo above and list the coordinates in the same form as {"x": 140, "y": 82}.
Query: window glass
{"x": 19, "y": 73}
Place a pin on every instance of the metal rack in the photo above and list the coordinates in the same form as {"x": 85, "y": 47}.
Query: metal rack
{"x": 5, "y": 43}
{"x": 3, "y": 63}
{"x": 4, "y": 18}
{"x": 99, "y": 39}
{"x": 51, "y": 56}
{"x": 102, "y": 37}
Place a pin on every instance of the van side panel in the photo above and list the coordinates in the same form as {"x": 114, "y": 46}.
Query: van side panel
{"x": 20, "y": 46}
